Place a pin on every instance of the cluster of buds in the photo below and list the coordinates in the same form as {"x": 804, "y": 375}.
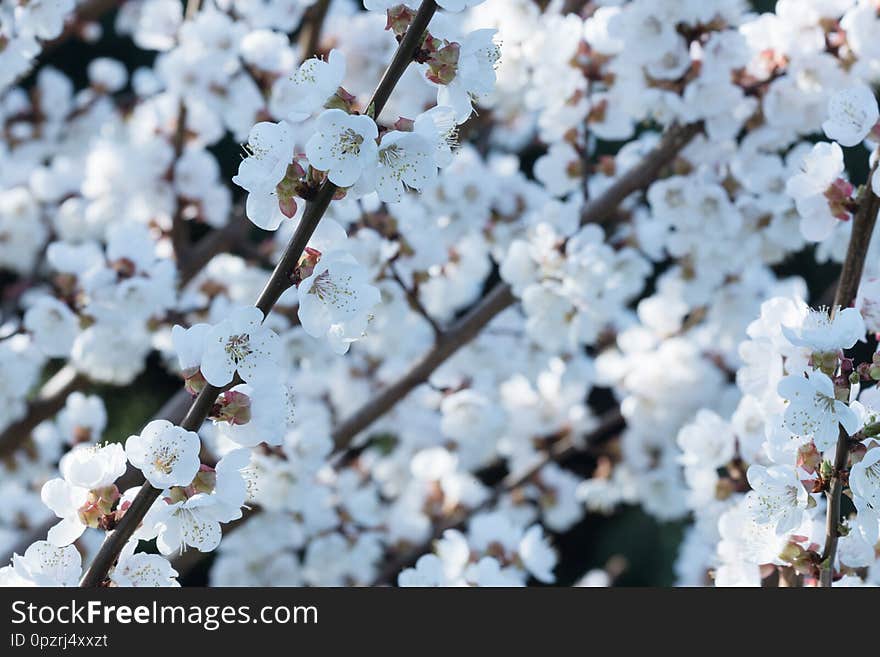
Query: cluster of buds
{"x": 306, "y": 265}
{"x": 288, "y": 189}
{"x": 826, "y": 361}
{"x": 343, "y": 100}
{"x": 804, "y": 561}
{"x": 399, "y": 19}
{"x": 870, "y": 371}
{"x": 193, "y": 380}
{"x": 205, "y": 482}
{"x": 233, "y": 407}
{"x": 98, "y": 508}
{"x": 810, "y": 461}
{"x": 440, "y": 55}
{"x": 840, "y": 199}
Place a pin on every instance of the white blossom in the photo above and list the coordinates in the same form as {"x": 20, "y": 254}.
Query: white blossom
{"x": 813, "y": 410}
{"x": 344, "y": 146}
{"x": 168, "y": 455}
{"x": 852, "y": 114}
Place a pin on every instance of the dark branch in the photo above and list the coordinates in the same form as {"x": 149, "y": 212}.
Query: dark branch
{"x": 279, "y": 281}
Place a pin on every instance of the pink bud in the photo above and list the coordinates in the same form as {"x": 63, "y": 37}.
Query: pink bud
{"x": 839, "y": 195}
{"x": 399, "y": 18}
{"x": 233, "y": 407}
{"x": 404, "y": 125}
{"x": 287, "y": 206}
{"x": 809, "y": 458}
{"x": 194, "y": 381}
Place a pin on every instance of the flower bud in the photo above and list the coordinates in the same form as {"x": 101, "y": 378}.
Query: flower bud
{"x": 287, "y": 205}
{"x": 809, "y": 458}
{"x": 341, "y": 100}
{"x": 399, "y": 19}
{"x": 803, "y": 561}
{"x": 176, "y": 494}
{"x": 442, "y": 62}
{"x": 233, "y": 407}
{"x": 99, "y": 503}
{"x": 826, "y": 361}
{"x": 839, "y": 196}
{"x": 404, "y": 125}
{"x": 307, "y": 263}
{"x": 205, "y": 481}
{"x": 193, "y": 380}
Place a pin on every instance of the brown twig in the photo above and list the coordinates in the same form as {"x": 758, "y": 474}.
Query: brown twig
{"x": 850, "y": 277}
{"x": 601, "y": 209}
{"x": 472, "y": 323}
{"x": 180, "y": 234}
{"x": 179, "y": 226}
{"x": 412, "y": 296}
{"x": 310, "y": 32}
{"x": 49, "y": 401}
{"x": 450, "y": 341}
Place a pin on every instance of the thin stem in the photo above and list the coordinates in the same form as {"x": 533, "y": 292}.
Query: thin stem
{"x": 847, "y": 288}
{"x": 180, "y": 233}
{"x": 409, "y": 46}
{"x": 788, "y": 578}
{"x": 415, "y": 303}
{"x": 857, "y": 251}
{"x": 601, "y": 209}
{"x": 458, "y": 335}
{"x": 49, "y": 401}
{"x": 279, "y": 281}
{"x": 192, "y": 8}
{"x": 468, "y": 327}
{"x": 310, "y": 32}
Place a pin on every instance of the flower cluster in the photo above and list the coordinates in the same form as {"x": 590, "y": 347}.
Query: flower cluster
{"x": 554, "y": 272}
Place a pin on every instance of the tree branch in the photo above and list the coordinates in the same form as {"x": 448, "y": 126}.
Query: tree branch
{"x": 850, "y": 278}
{"x": 50, "y": 399}
{"x": 279, "y": 281}
{"x": 500, "y": 298}
{"x": 179, "y": 227}
{"x": 601, "y": 209}
{"x": 451, "y": 340}
{"x": 412, "y": 296}
{"x": 180, "y": 233}
{"x": 310, "y": 32}
{"x": 468, "y": 327}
